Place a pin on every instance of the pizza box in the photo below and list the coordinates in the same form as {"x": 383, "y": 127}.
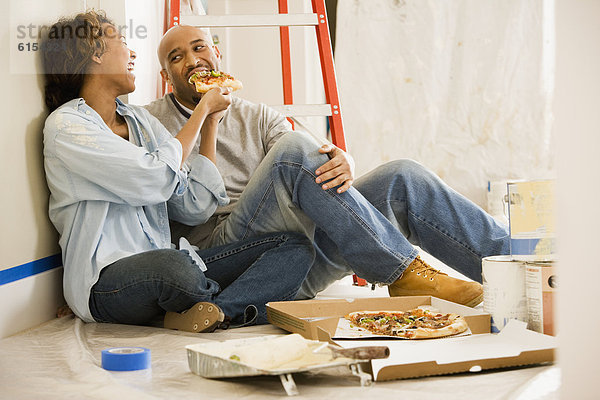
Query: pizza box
{"x": 318, "y": 319}
{"x": 513, "y": 346}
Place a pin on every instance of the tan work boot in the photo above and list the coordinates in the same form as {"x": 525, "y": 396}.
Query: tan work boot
{"x": 420, "y": 279}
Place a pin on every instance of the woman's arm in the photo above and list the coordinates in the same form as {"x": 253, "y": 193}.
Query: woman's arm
{"x": 205, "y": 189}
{"x": 213, "y": 101}
{"x": 117, "y": 170}
{"x": 205, "y": 192}
{"x": 208, "y": 138}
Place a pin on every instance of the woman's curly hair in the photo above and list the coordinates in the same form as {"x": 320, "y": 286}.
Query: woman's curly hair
{"x": 66, "y": 50}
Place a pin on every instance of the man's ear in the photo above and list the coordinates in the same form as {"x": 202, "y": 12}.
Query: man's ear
{"x": 165, "y": 75}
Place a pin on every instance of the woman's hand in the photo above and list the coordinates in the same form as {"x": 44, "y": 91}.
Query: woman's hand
{"x": 215, "y": 117}
{"x": 215, "y": 100}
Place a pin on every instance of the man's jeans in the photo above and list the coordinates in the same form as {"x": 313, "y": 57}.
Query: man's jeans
{"x": 140, "y": 288}
{"x": 372, "y": 228}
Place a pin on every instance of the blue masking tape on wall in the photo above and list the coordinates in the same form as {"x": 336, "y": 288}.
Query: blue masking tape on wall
{"x": 30, "y": 269}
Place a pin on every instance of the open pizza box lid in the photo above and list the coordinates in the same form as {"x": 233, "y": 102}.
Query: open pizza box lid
{"x": 514, "y": 346}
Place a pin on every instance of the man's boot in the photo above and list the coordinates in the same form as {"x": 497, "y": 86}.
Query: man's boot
{"x": 420, "y": 279}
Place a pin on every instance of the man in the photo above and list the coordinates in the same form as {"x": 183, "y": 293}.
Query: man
{"x": 281, "y": 180}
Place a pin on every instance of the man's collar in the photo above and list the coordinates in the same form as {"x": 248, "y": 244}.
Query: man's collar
{"x": 186, "y": 112}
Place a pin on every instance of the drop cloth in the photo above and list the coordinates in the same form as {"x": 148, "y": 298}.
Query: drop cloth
{"x": 61, "y": 359}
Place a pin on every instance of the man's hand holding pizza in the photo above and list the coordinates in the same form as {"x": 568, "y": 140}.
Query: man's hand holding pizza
{"x": 339, "y": 170}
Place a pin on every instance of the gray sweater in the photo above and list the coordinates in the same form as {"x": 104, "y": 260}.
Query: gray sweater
{"x": 245, "y": 135}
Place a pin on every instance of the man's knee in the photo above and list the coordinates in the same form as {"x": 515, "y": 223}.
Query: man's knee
{"x": 403, "y": 170}
{"x": 404, "y": 166}
{"x": 397, "y": 179}
{"x": 297, "y": 147}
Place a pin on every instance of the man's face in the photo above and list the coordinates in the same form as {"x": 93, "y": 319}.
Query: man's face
{"x": 183, "y": 51}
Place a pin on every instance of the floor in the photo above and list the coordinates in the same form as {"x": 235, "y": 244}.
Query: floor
{"x": 62, "y": 357}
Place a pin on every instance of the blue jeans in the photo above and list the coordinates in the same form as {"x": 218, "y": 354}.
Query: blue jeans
{"x": 429, "y": 214}
{"x": 139, "y": 288}
{"x": 372, "y": 228}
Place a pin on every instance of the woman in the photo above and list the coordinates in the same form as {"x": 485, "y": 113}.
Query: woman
{"x": 116, "y": 176}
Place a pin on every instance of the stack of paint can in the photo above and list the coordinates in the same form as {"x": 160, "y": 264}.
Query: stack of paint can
{"x": 521, "y": 286}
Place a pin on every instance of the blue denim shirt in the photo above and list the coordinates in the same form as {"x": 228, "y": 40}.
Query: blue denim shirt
{"x": 111, "y": 198}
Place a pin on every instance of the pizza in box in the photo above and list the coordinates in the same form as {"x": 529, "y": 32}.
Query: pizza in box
{"x": 412, "y": 324}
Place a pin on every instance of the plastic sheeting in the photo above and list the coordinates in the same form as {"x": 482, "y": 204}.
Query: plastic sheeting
{"x": 462, "y": 86}
{"x": 61, "y": 359}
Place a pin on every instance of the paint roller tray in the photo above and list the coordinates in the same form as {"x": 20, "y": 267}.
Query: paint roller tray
{"x": 212, "y": 360}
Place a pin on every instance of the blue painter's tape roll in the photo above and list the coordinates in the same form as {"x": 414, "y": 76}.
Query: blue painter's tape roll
{"x": 125, "y": 358}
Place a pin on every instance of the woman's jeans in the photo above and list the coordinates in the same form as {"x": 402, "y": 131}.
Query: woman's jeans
{"x": 139, "y": 288}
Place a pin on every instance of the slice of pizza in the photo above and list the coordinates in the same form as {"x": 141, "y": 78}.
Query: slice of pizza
{"x": 411, "y": 324}
{"x": 206, "y": 80}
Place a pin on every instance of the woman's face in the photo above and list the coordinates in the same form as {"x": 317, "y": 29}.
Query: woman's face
{"x": 117, "y": 61}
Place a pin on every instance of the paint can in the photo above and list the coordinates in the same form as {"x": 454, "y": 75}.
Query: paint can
{"x": 540, "y": 284}
{"x": 497, "y": 206}
{"x": 504, "y": 296}
{"x": 531, "y": 220}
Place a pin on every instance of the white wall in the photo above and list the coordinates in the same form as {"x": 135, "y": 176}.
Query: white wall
{"x": 145, "y": 21}
{"x": 577, "y": 125}
{"x": 26, "y": 234}
{"x": 461, "y": 86}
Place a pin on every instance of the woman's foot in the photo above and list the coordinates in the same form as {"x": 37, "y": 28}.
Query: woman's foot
{"x": 202, "y": 317}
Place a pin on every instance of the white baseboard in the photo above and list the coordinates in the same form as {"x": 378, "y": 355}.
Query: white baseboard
{"x": 30, "y": 301}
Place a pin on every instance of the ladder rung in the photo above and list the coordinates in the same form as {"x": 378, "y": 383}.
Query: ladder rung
{"x": 304, "y": 110}
{"x": 250, "y": 20}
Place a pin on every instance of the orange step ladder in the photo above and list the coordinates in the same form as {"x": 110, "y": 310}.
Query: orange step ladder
{"x": 318, "y": 19}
